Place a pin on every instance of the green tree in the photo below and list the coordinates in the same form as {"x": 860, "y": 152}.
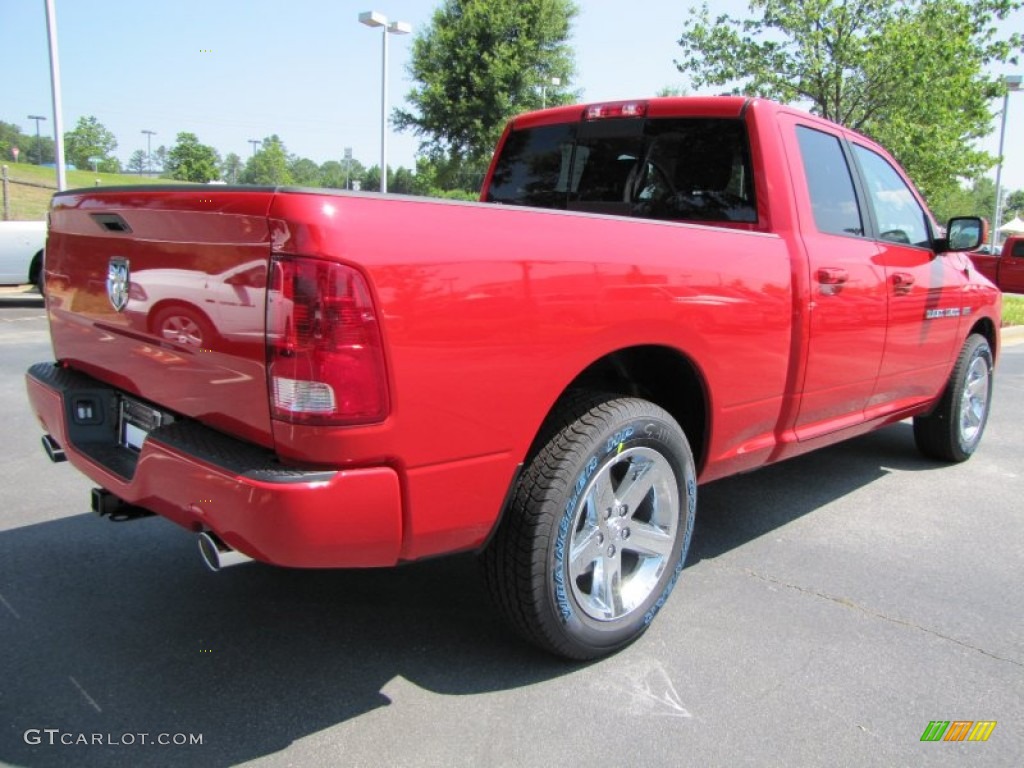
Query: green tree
{"x": 191, "y": 160}
{"x": 305, "y": 172}
{"x": 371, "y": 179}
{"x": 269, "y": 166}
{"x": 332, "y": 174}
{"x": 478, "y": 63}
{"x": 10, "y": 136}
{"x": 137, "y": 162}
{"x": 159, "y": 159}
{"x": 335, "y": 173}
{"x": 90, "y": 139}
{"x": 975, "y": 199}
{"x": 1014, "y": 204}
{"x": 29, "y": 147}
{"x": 231, "y": 168}
{"x": 402, "y": 181}
{"x": 909, "y": 74}
{"x": 109, "y": 165}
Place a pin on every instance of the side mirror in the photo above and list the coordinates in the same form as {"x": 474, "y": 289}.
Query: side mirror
{"x": 964, "y": 233}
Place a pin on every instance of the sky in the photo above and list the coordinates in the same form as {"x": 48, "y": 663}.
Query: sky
{"x": 307, "y": 70}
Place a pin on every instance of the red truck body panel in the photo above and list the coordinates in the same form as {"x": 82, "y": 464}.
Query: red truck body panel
{"x": 1005, "y": 269}
{"x": 488, "y": 314}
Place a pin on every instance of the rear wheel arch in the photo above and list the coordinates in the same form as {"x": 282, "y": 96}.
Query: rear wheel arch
{"x": 661, "y": 375}
{"x": 985, "y": 327}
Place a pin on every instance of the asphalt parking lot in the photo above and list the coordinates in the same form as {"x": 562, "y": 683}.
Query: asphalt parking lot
{"x": 832, "y": 607}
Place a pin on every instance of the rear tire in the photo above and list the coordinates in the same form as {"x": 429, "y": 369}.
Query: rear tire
{"x": 36, "y": 276}
{"x": 597, "y": 530}
{"x": 182, "y": 325}
{"x": 953, "y": 430}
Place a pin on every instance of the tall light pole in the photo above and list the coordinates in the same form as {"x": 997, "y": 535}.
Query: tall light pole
{"x": 255, "y": 143}
{"x": 149, "y": 149}
{"x": 55, "y": 91}
{"x": 555, "y": 81}
{"x": 375, "y": 19}
{"x": 39, "y": 148}
{"x": 1013, "y": 83}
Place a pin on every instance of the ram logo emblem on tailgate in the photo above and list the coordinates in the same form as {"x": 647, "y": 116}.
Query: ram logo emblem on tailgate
{"x": 117, "y": 282}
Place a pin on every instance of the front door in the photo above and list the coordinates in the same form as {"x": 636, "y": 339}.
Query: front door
{"x": 924, "y": 291}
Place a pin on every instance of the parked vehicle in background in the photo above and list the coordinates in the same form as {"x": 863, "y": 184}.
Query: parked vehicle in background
{"x": 649, "y": 295}
{"x": 21, "y": 252}
{"x": 1006, "y": 268}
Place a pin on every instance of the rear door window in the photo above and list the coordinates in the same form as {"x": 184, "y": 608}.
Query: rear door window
{"x": 829, "y": 183}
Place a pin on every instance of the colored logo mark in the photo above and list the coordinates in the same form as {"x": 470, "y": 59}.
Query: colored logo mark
{"x": 958, "y": 730}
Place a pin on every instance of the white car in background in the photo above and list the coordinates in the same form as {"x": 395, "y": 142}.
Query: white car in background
{"x": 21, "y": 252}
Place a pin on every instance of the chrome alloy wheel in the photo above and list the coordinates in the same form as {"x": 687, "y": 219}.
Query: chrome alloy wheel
{"x": 974, "y": 401}
{"x": 624, "y": 529}
{"x": 183, "y": 330}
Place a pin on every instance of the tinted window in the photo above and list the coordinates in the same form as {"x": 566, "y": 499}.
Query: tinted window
{"x": 534, "y": 167}
{"x": 677, "y": 169}
{"x": 900, "y": 218}
{"x": 1018, "y": 250}
{"x": 829, "y": 183}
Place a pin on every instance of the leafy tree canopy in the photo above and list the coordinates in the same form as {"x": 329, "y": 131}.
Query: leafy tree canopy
{"x": 478, "y": 63}
{"x": 189, "y": 160}
{"x": 137, "y": 162}
{"x": 90, "y": 138}
{"x": 231, "y": 168}
{"x": 269, "y": 166}
{"x": 304, "y": 172}
{"x": 909, "y": 74}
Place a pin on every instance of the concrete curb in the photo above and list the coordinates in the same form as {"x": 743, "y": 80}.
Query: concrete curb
{"x": 1011, "y": 335}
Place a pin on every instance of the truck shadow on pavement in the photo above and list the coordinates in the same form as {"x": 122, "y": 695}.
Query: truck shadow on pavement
{"x": 739, "y": 509}
{"x": 117, "y": 629}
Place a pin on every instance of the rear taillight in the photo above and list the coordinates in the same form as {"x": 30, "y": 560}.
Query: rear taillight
{"x": 325, "y": 357}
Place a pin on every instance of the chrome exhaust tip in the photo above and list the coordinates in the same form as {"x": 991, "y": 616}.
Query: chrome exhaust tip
{"x": 53, "y": 449}
{"x": 217, "y": 555}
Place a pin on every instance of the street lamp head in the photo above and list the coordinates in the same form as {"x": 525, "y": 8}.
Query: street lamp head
{"x": 1013, "y": 82}
{"x": 373, "y": 19}
{"x": 399, "y": 28}
{"x": 36, "y": 117}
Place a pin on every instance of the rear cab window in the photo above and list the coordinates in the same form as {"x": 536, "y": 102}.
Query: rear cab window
{"x": 674, "y": 169}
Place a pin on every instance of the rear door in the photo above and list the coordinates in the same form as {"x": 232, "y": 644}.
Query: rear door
{"x": 848, "y": 295}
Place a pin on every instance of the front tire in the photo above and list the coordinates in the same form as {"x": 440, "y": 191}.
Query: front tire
{"x": 953, "y": 430}
{"x": 597, "y": 530}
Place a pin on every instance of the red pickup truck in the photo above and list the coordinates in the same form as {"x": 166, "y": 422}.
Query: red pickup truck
{"x": 650, "y": 295}
{"x": 1005, "y": 269}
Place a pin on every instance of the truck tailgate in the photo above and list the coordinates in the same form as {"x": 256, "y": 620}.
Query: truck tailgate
{"x": 161, "y": 292}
